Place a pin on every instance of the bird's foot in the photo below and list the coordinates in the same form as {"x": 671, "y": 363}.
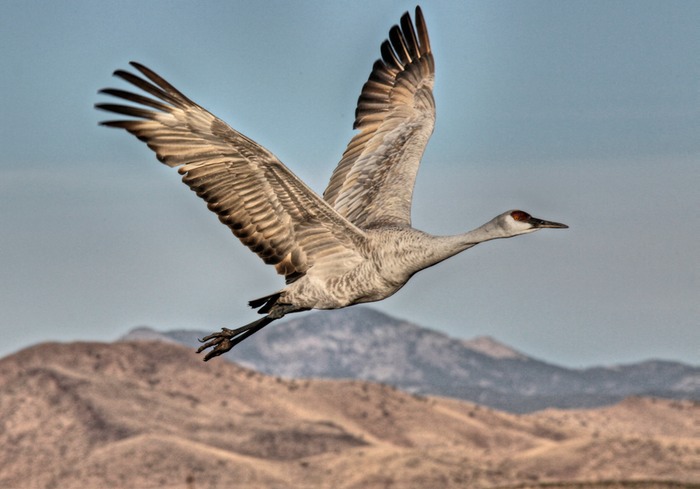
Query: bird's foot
{"x": 220, "y": 342}
{"x": 224, "y": 340}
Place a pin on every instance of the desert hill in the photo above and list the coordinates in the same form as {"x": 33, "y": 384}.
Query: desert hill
{"x": 152, "y": 414}
{"x": 365, "y": 344}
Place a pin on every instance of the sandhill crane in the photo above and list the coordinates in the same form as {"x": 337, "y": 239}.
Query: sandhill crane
{"x": 355, "y": 244}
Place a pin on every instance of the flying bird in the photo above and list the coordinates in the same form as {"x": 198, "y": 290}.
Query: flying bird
{"x": 355, "y": 244}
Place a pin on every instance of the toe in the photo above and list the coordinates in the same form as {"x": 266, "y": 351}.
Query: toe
{"x": 222, "y": 347}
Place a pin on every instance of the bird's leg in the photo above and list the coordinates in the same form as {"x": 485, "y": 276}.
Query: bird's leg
{"x": 226, "y": 339}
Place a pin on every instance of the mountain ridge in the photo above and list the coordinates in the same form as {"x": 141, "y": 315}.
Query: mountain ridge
{"x": 365, "y": 344}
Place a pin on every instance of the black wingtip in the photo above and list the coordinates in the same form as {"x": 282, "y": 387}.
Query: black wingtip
{"x": 107, "y": 91}
{"x": 123, "y": 74}
{"x": 135, "y": 64}
{"x": 418, "y": 18}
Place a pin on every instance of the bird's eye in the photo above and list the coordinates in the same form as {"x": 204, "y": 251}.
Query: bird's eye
{"x": 520, "y": 216}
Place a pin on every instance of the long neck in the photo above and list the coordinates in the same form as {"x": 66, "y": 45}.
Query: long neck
{"x": 444, "y": 247}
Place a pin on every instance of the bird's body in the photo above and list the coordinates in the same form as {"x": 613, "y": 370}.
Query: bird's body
{"x": 389, "y": 257}
{"x": 355, "y": 244}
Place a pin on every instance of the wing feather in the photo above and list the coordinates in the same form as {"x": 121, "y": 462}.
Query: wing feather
{"x": 264, "y": 204}
{"x": 373, "y": 182}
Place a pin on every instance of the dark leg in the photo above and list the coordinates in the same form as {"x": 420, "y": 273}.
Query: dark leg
{"x": 226, "y": 339}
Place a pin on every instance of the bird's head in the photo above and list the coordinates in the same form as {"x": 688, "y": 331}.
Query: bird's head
{"x": 516, "y": 222}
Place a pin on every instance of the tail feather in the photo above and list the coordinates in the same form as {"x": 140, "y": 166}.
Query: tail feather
{"x": 265, "y": 303}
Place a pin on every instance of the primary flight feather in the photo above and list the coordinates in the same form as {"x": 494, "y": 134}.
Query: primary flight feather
{"x": 355, "y": 244}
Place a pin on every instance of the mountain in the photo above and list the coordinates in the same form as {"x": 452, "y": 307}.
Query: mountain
{"x": 362, "y": 343}
{"x": 152, "y": 414}
{"x": 492, "y": 348}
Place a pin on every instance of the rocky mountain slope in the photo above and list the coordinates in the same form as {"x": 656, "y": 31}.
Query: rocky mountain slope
{"x": 362, "y": 343}
{"x": 152, "y": 414}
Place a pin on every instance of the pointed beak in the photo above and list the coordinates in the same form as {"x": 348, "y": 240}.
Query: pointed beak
{"x": 540, "y": 223}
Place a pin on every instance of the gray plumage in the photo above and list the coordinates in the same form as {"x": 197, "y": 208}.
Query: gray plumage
{"x": 355, "y": 244}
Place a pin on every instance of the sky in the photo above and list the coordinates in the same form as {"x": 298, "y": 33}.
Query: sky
{"x": 586, "y": 113}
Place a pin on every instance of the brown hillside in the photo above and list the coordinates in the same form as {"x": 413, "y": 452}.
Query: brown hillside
{"x": 146, "y": 415}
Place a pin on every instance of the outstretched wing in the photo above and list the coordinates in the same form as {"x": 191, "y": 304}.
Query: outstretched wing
{"x": 373, "y": 183}
{"x": 266, "y": 206}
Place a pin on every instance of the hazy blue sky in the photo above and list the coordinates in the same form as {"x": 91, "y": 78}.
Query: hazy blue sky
{"x": 584, "y": 112}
